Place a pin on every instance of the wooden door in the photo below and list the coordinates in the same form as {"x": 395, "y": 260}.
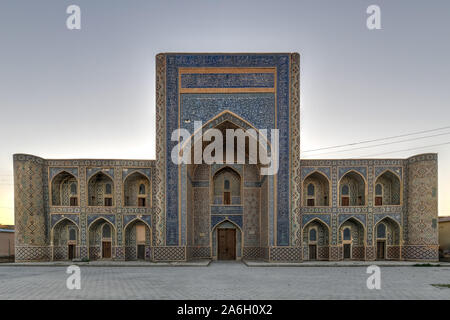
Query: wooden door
{"x": 347, "y": 251}
{"x": 226, "y": 244}
{"x": 226, "y": 198}
{"x": 73, "y": 201}
{"x": 381, "y": 250}
{"x": 378, "y": 201}
{"x": 312, "y": 252}
{"x": 310, "y": 203}
{"x": 106, "y": 249}
{"x": 345, "y": 201}
{"x": 71, "y": 251}
{"x": 141, "y": 251}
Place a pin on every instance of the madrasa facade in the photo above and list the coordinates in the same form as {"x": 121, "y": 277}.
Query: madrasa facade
{"x": 157, "y": 210}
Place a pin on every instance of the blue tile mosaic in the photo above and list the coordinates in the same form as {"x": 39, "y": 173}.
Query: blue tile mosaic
{"x": 281, "y": 63}
{"x": 228, "y": 80}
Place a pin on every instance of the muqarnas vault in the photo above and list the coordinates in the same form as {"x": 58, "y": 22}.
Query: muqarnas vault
{"x": 156, "y": 210}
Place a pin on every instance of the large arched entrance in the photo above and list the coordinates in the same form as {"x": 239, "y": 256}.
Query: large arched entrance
{"x": 234, "y": 191}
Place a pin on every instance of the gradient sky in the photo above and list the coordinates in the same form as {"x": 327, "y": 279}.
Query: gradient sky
{"x": 90, "y": 93}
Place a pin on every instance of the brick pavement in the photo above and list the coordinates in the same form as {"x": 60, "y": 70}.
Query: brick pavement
{"x": 222, "y": 281}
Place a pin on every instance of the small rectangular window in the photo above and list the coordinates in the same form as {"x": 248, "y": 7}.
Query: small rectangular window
{"x": 226, "y": 198}
{"x": 73, "y": 201}
{"x": 141, "y": 202}
{"x": 345, "y": 201}
{"x": 378, "y": 201}
{"x": 310, "y": 202}
{"x": 108, "y": 202}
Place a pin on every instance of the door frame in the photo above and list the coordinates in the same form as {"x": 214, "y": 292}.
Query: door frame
{"x": 343, "y": 251}
{"x": 235, "y": 243}
{"x": 69, "y": 245}
{"x": 315, "y": 253}
{"x": 137, "y": 250}
{"x": 110, "y": 249}
{"x": 384, "y": 250}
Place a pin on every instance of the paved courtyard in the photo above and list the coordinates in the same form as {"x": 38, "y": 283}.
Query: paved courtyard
{"x": 223, "y": 281}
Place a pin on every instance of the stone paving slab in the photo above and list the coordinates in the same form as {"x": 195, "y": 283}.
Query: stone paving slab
{"x": 345, "y": 264}
{"x": 221, "y": 281}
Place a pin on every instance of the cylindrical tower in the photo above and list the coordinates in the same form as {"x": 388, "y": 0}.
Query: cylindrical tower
{"x": 31, "y": 236}
{"x": 422, "y": 238}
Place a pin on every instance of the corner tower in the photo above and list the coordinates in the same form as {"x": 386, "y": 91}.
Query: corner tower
{"x": 30, "y": 208}
{"x": 422, "y": 214}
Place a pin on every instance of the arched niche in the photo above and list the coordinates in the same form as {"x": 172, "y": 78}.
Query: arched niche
{"x": 137, "y": 190}
{"x": 316, "y": 190}
{"x": 100, "y": 190}
{"x": 352, "y": 190}
{"x": 387, "y": 189}
{"x": 64, "y": 189}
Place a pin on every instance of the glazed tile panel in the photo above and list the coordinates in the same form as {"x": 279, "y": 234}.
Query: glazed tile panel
{"x": 254, "y": 108}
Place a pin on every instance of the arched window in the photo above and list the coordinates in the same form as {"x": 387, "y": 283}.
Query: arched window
{"x": 347, "y": 234}
{"x": 73, "y": 189}
{"x": 313, "y": 235}
{"x": 345, "y": 190}
{"x": 142, "y": 189}
{"x": 381, "y": 231}
{"x": 108, "y": 188}
{"x": 311, "y": 190}
{"x": 72, "y": 235}
{"x": 379, "y": 189}
{"x": 106, "y": 231}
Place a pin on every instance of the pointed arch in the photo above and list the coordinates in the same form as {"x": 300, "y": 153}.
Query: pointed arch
{"x": 65, "y": 218}
{"x": 317, "y": 220}
{"x": 101, "y": 218}
{"x": 233, "y": 118}
{"x": 226, "y": 220}
{"x": 239, "y": 238}
{"x": 316, "y": 248}
{"x": 216, "y": 122}
{"x": 354, "y": 218}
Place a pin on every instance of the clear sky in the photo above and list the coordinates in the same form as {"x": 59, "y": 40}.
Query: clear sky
{"x": 90, "y": 93}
